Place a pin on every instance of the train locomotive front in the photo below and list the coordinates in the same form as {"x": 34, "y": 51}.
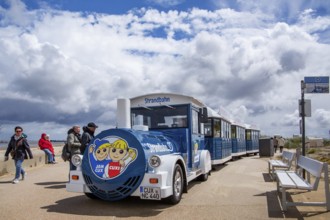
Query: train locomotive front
{"x": 157, "y": 149}
{"x": 118, "y": 160}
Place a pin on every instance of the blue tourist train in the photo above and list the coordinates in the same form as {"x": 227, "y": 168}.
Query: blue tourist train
{"x": 161, "y": 143}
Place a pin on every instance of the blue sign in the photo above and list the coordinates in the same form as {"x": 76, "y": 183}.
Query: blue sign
{"x": 157, "y": 100}
{"x": 317, "y": 84}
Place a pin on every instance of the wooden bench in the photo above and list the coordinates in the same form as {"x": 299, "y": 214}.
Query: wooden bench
{"x": 285, "y": 163}
{"x": 294, "y": 180}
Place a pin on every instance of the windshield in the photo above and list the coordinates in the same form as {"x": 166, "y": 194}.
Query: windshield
{"x": 160, "y": 117}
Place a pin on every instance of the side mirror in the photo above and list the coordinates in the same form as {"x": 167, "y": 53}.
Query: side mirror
{"x": 203, "y": 115}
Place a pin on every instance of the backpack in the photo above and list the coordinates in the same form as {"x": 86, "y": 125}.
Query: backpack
{"x": 66, "y": 154}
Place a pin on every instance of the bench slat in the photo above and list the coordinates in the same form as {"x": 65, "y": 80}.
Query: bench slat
{"x": 310, "y": 165}
{"x": 290, "y": 179}
{"x": 288, "y": 155}
{"x": 285, "y": 179}
{"x": 300, "y": 183}
{"x": 277, "y": 163}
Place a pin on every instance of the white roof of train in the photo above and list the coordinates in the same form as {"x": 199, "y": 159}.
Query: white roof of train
{"x": 233, "y": 122}
{"x": 214, "y": 114}
{"x": 156, "y": 99}
{"x": 252, "y": 127}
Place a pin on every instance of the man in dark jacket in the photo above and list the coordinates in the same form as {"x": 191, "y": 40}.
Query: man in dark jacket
{"x": 19, "y": 148}
{"x": 74, "y": 142}
{"x": 87, "y": 136}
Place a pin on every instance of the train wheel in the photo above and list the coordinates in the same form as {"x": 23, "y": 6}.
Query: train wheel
{"x": 203, "y": 177}
{"x": 177, "y": 185}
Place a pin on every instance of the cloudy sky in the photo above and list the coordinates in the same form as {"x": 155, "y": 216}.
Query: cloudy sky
{"x": 66, "y": 62}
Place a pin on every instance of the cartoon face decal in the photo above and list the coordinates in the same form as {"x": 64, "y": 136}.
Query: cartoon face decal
{"x": 195, "y": 147}
{"x": 118, "y": 150}
{"x": 102, "y": 152}
{"x": 110, "y": 157}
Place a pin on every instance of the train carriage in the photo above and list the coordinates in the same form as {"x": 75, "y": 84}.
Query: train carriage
{"x": 238, "y": 139}
{"x": 218, "y": 138}
{"x": 252, "y": 135}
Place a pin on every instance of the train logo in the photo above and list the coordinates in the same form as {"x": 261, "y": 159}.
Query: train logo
{"x": 109, "y": 157}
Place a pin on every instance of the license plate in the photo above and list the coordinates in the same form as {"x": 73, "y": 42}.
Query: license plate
{"x": 152, "y": 193}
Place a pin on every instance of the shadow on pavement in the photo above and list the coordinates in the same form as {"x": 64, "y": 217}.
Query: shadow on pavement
{"x": 53, "y": 185}
{"x": 129, "y": 207}
{"x": 267, "y": 177}
{"x": 6, "y": 182}
{"x": 216, "y": 168}
{"x": 275, "y": 209}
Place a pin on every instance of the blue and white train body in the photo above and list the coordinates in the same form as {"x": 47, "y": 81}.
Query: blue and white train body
{"x": 252, "y": 135}
{"x": 155, "y": 151}
{"x": 218, "y": 138}
{"x": 238, "y": 139}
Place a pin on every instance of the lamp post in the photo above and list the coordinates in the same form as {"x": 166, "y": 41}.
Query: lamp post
{"x": 303, "y": 117}
{"x": 303, "y": 120}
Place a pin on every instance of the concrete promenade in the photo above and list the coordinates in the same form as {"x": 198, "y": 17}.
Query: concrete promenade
{"x": 38, "y": 160}
{"x": 241, "y": 189}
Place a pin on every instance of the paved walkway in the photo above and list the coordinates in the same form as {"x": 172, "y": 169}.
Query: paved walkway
{"x": 240, "y": 189}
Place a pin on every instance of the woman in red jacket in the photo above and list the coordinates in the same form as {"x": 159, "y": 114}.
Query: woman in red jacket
{"x": 47, "y": 147}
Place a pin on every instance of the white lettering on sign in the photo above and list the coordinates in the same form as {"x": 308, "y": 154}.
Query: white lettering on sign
{"x": 114, "y": 168}
{"x": 99, "y": 168}
{"x": 157, "y": 100}
{"x": 196, "y": 159}
{"x": 154, "y": 148}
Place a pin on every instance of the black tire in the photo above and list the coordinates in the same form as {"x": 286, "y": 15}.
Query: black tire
{"x": 203, "y": 177}
{"x": 91, "y": 196}
{"x": 177, "y": 185}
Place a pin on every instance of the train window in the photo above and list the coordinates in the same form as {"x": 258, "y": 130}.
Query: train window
{"x": 248, "y": 134}
{"x": 255, "y": 135}
{"x": 178, "y": 120}
{"x": 242, "y": 133}
{"x": 233, "y": 131}
{"x": 225, "y": 130}
{"x": 140, "y": 120}
{"x": 195, "y": 124}
{"x": 208, "y": 128}
{"x": 216, "y": 128}
{"x": 160, "y": 117}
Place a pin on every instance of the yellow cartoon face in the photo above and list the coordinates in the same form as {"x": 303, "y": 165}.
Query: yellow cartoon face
{"x": 102, "y": 152}
{"x": 117, "y": 154}
{"x": 118, "y": 150}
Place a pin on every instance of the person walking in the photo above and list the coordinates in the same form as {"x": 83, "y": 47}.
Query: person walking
{"x": 46, "y": 146}
{"x": 74, "y": 142}
{"x": 87, "y": 135}
{"x": 281, "y": 143}
{"x": 19, "y": 149}
{"x": 275, "y": 143}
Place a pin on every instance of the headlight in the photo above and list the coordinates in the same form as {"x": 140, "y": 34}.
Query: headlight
{"x": 154, "y": 161}
{"x": 76, "y": 160}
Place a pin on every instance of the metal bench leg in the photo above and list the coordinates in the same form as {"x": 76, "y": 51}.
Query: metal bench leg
{"x": 284, "y": 199}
